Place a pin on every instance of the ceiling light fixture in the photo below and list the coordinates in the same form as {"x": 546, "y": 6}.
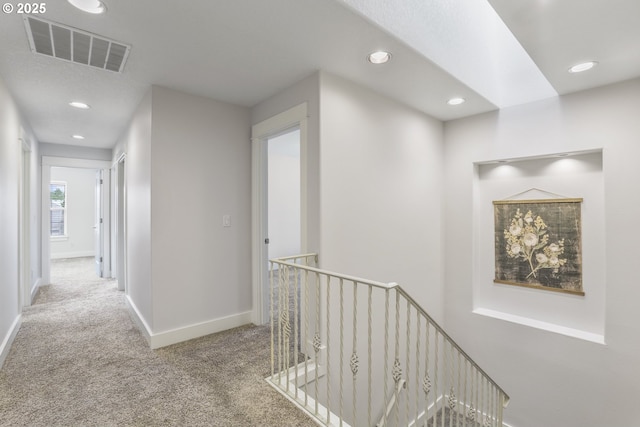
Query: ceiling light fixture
{"x": 80, "y": 105}
{"x": 456, "y": 101}
{"x": 77, "y": 137}
{"x": 90, "y": 6}
{"x": 584, "y": 66}
{"x": 379, "y": 57}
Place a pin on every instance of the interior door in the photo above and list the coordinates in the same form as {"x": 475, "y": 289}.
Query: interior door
{"x": 98, "y": 228}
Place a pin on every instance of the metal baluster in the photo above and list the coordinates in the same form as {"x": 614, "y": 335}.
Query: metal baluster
{"x": 396, "y": 362}
{"x": 280, "y": 338}
{"x": 316, "y": 339}
{"x": 426, "y": 383}
{"x": 284, "y": 314}
{"x": 447, "y": 371}
{"x": 464, "y": 394}
{"x": 354, "y": 354}
{"x": 435, "y": 381}
{"x": 295, "y": 326}
{"x": 386, "y": 353}
{"x": 459, "y": 390}
{"x": 341, "y": 348}
{"x": 407, "y": 363}
{"x": 271, "y": 321}
{"x": 417, "y": 375}
{"x": 328, "y": 350}
{"x": 306, "y": 337}
{"x": 369, "y": 313}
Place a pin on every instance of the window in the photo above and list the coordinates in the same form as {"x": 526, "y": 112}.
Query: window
{"x": 58, "y": 208}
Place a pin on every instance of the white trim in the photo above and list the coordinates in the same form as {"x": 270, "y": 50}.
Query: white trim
{"x": 8, "y": 339}
{"x": 34, "y": 291}
{"x": 68, "y": 162}
{"x": 197, "y": 330}
{"x": 260, "y": 132}
{"x": 174, "y": 336}
{"x": 280, "y": 122}
{"x": 138, "y": 319}
{"x": 47, "y": 163}
{"x": 545, "y": 326}
{"x": 78, "y": 254}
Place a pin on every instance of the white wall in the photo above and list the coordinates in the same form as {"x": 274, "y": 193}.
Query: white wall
{"x": 553, "y": 379}
{"x": 35, "y": 207}
{"x": 136, "y": 142}
{"x": 80, "y": 240}
{"x": 200, "y": 171}
{"x": 380, "y": 190}
{"x": 9, "y": 161}
{"x": 13, "y": 132}
{"x": 284, "y": 194}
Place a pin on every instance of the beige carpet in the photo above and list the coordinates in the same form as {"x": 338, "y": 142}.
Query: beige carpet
{"x": 78, "y": 360}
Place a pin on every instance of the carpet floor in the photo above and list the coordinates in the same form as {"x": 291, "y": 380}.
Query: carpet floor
{"x": 79, "y": 360}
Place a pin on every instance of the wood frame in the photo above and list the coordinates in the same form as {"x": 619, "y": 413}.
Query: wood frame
{"x": 538, "y": 244}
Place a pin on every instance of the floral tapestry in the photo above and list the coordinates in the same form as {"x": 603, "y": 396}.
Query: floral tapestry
{"x": 538, "y": 244}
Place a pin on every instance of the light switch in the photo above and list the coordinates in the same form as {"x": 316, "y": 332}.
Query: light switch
{"x": 226, "y": 220}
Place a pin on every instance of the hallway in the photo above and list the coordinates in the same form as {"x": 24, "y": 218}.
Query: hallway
{"x": 78, "y": 360}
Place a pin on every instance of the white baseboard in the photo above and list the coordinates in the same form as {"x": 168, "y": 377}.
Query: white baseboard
{"x": 8, "y": 340}
{"x": 174, "y": 336}
{"x": 79, "y": 254}
{"x": 34, "y": 290}
{"x": 138, "y": 319}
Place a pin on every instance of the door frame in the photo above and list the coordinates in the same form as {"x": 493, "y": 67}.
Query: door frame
{"x": 260, "y": 134}
{"x": 64, "y": 162}
{"x": 25, "y": 225}
{"x": 119, "y": 222}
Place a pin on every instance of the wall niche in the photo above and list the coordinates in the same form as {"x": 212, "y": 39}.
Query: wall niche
{"x": 577, "y": 175}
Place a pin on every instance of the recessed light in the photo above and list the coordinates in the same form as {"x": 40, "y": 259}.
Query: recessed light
{"x": 89, "y": 6}
{"x": 584, "y": 66}
{"x": 379, "y": 57}
{"x": 456, "y": 101}
{"x": 562, "y": 155}
{"x": 81, "y": 105}
{"x": 77, "y": 137}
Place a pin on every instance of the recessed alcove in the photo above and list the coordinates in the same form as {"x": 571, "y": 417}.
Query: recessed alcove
{"x": 578, "y": 175}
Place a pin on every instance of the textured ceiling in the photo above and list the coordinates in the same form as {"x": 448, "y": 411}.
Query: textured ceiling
{"x": 243, "y": 52}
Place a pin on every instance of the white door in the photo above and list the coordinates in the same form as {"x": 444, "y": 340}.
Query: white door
{"x": 98, "y": 227}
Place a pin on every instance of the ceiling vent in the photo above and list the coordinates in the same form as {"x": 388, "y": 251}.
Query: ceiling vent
{"x": 73, "y": 45}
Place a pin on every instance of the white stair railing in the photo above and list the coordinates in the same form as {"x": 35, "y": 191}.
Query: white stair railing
{"x": 355, "y": 352}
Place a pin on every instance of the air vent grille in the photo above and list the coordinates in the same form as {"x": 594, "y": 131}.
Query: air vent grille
{"x": 70, "y": 44}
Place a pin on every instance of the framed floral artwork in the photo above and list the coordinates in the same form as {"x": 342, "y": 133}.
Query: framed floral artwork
{"x": 538, "y": 244}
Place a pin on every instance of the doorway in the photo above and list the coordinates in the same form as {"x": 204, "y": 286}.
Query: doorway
{"x": 278, "y": 197}
{"x": 25, "y": 276}
{"x": 283, "y": 200}
{"x": 283, "y": 194}
{"x": 119, "y": 224}
{"x": 72, "y": 213}
{"x": 57, "y": 240}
